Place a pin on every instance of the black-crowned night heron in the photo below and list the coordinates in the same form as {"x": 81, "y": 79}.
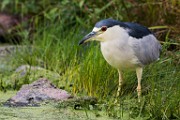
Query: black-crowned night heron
{"x": 125, "y": 45}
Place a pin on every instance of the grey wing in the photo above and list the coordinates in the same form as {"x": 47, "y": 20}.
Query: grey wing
{"x": 146, "y": 49}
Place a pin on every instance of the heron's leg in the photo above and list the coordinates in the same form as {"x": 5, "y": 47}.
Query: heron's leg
{"x": 120, "y": 83}
{"x": 119, "y": 86}
{"x": 139, "y": 71}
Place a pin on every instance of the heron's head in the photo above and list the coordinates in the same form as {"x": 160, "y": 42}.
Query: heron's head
{"x": 103, "y": 30}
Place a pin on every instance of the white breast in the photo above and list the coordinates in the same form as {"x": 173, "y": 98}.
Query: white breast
{"x": 116, "y": 49}
{"x": 119, "y": 55}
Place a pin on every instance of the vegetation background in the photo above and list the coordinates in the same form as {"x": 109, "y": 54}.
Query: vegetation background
{"x": 52, "y": 28}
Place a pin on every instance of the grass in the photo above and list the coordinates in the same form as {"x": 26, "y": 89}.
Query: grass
{"x": 85, "y": 68}
{"x": 54, "y": 46}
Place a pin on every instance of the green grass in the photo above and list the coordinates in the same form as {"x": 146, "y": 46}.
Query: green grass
{"x": 58, "y": 28}
{"x": 85, "y": 68}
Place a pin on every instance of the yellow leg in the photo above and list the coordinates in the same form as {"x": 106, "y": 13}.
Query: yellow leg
{"x": 119, "y": 86}
{"x": 139, "y": 71}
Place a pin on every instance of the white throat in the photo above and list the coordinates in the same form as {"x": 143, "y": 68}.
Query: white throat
{"x": 112, "y": 33}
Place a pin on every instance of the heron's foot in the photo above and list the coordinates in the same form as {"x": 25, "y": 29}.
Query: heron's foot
{"x": 139, "y": 93}
{"x": 118, "y": 94}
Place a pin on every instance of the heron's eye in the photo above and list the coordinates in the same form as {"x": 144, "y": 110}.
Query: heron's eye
{"x": 103, "y": 28}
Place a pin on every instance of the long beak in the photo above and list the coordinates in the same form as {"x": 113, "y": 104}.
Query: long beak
{"x": 87, "y": 37}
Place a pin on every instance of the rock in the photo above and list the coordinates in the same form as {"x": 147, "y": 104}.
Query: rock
{"x": 6, "y": 50}
{"x": 24, "y": 68}
{"x": 8, "y": 28}
{"x": 7, "y": 22}
{"x": 11, "y": 25}
{"x": 7, "y": 53}
{"x": 35, "y": 72}
{"x": 37, "y": 92}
